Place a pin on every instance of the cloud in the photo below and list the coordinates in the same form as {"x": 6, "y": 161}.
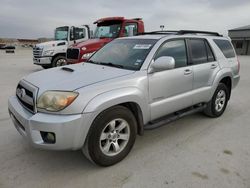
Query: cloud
{"x": 33, "y": 18}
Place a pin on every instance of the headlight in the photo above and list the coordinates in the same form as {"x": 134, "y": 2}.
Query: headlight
{"x": 56, "y": 100}
{"x": 48, "y": 53}
{"x": 87, "y": 55}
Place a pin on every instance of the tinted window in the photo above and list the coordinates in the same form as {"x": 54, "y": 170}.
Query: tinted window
{"x": 226, "y": 47}
{"x": 133, "y": 26}
{"x": 126, "y": 53}
{"x": 210, "y": 55}
{"x": 175, "y": 49}
{"x": 198, "y": 51}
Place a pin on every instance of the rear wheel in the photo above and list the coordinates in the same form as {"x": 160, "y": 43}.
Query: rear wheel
{"x": 111, "y": 136}
{"x": 59, "y": 61}
{"x": 218, "y": 103}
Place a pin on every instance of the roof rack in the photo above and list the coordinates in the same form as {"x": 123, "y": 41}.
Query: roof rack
{"x": 163, "y": 32}
{"x": 180, "y": 32}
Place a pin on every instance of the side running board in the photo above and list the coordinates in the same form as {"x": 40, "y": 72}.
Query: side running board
{"x": 173, "y": 117}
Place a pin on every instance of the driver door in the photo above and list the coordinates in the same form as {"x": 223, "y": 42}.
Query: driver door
{"x": 170, "y": 90}
{"x": 78, "y": 34}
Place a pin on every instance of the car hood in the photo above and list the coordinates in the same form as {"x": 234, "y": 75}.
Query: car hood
{"x": 51, "y": 44}
{"x": 92, "y": 43}
{"x": 83, "y": 75}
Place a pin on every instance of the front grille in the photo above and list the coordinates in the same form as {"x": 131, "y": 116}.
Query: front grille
{"x": 26, "y": 94}
{"x": 37, "y": 52}
{"x": 73, "y": 53}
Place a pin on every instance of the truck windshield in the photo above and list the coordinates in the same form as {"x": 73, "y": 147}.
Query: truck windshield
{"x": 124, "y": 53}
{"x": 61, "y": 33}
{"x": 107, "y": 30}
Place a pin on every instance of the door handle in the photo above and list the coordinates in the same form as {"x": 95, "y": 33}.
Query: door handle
{"x": 187, "y": 71}
{"x": 213, "y": 66}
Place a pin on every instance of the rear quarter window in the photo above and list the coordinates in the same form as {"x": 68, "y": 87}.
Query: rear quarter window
{"x": 226, "y": 47}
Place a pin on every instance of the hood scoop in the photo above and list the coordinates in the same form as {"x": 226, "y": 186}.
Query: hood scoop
{"x": 67, "y": 69}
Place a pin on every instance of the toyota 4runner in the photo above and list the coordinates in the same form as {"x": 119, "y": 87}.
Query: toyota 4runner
{"x": 129, "y": 85}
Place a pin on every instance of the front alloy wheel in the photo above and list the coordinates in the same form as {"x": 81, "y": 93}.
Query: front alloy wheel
{"x": 114, "y": 137}
{"x": 111, "y": 136}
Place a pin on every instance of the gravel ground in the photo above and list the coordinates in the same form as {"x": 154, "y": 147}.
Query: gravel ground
{"x": 195, "y": 151}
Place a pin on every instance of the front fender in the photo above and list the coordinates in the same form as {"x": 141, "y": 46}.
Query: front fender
{"x": 119, "y": 96}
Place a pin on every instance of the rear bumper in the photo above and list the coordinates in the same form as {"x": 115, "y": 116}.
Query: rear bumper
{"x": 69, "y": 130}
{"x": 42, "y": 60}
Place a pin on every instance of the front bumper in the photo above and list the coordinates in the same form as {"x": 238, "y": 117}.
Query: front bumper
{"x": 70, "y": 130}
{"x": 42, "y": 60}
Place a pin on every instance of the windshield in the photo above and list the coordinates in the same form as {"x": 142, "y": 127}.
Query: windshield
{"x": 61, "y": 33}
{"x": 126, "y": 53}
{"x": 107, "y": 30}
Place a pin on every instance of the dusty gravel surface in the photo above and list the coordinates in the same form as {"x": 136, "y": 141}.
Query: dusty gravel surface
{"x": 195, "y": 151}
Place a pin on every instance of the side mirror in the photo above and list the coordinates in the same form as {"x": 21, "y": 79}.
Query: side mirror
{"x": 162, "y": 63}
{"x": 72, "y": 33}
{"x": 130, "y": 31}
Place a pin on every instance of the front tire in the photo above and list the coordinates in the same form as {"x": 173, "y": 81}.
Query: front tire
{"x": 217, "y": 105}
{"x": 111, "y": 136}
{"x": 59, "y": 61}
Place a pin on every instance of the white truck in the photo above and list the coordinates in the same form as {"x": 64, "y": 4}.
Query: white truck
{"x": 53, "y": 53}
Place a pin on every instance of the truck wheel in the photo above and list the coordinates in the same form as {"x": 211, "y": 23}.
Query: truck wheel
{"x": 59, "y": 61}
{"x": 111, "y": 136}
{"x": 218, "y": 103}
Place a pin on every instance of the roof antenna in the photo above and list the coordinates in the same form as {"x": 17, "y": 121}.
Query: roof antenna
{"x": 162, "y": 27}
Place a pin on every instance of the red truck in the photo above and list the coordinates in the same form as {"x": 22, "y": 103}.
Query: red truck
{"x": 107, "y": 29}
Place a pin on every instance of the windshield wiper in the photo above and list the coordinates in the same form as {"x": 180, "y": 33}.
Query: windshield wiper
{"x": 103, "y": 63}
{"x": 112, "y": 65}
{"x": 94, "y": 62}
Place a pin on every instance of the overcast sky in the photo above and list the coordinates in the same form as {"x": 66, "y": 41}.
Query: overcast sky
{"x": 38, "y": 18}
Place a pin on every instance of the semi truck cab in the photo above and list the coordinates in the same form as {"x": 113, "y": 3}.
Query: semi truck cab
{"x": 53, "y": 53}
{"x": 107, "y": 29}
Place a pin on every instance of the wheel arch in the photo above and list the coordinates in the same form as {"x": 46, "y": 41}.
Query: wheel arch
{"x": 56, "y": 55}
{"x": 227, "y": 80}
{"x": 131, "y": 98}
{"x": 224, "y": 76}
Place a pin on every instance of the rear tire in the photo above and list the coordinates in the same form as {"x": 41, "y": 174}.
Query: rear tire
{"x": 217, "y": 105}
{"x": 111, "y": 136}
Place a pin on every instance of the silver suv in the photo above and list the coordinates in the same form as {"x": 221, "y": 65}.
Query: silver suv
{"x": 129, "y": 85}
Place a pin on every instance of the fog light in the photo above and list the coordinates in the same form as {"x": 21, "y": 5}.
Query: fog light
{"x": 48, "y": 137}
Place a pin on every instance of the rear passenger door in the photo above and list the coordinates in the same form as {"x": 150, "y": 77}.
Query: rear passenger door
{"x": 205, "y": 67}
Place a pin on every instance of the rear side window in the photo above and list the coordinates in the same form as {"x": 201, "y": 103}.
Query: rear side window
{"x": 198, "y": 51}
{"x": 226, "y": 47}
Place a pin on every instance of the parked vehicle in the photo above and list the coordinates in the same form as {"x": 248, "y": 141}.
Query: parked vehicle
{"x": 7, "y": 47}
{"x": 2, "y": 46}
{"x": 107, "y": 30}
{"x": 53, "y": 53}
{"x": 129, "y": 85}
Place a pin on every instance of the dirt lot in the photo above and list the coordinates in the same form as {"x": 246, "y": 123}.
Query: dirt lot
{"x": 195, "y": 151}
